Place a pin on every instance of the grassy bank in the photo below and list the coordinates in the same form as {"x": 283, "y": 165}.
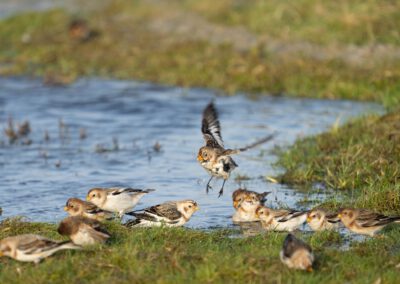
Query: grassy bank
{"x": 305, "y": 49}
{"x": 362, "y": 159}
{"x": 165, "y": 255}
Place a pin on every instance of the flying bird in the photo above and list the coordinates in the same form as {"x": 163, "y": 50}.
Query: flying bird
{"x": 170, "y": 214}
{"x": 281, "y": 220}
{"x": 320, "y": 219}
{"x": 116, "y": 199}
{"x": 365, "y": 222}
{"x": 296, "y": 254}
{"x": 83, "y": 231}
{"x": 213, "y": 157}
{"x": 32, "y": 248}
{"x": 77, "y": 207}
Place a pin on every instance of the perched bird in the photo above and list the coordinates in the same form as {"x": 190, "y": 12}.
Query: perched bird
{"x": 83, "y": 231}
{"x": 32, "y": 248}
{"x": 213, "y": 157}
{"x": 365, "y": 222}
{"x": 246, "y": 202}
{"x": 319, "y": 220}
{"x": 116, "y": 199}
{"x": 170, "y": 214}
{"x": 281, "y": 220}
{"x": 77, "y": 207}
{"x": 296, "y": 254}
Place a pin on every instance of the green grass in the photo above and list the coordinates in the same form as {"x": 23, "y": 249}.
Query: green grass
{"x": 165, "y": 255}
{"x": 361, "y": 158}
{"x": 138, "y": 40}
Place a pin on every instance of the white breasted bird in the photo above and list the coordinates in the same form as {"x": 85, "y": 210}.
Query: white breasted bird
{"x": 116, "y": 199}
{"x": 365, "y": 222}
{"x": 32, "y": 248}
{"x": 246, "y": 202}
{"x": 213, "y": 157}
{"x": 281, "y": 220}
{"x": 296, "y": 254}
{"x": 170, "y": 214}
{"x": 320, "y": 219}
{"x": 83, "y": 231}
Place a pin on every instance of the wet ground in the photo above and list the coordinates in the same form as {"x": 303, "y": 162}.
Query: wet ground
{"x": 103, "y": 132}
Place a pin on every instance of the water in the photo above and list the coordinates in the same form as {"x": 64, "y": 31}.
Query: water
{"x": 37, "y": 179}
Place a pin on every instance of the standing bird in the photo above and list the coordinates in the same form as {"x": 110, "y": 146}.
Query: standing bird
{"x": 213, "y": 157}
{"x": 281, "y": 220}
{"x": 32, "y": 248}
{"x": 116, "y": 199}
{"x": 296, "y": 254}
{"x": 245, "y": 203}
{"x": 319, "y": 220}
{"x": 83, "y": 231}
{"x": 365, "y": 222}
{"x": 170, "y": 214}
{"x": 77, "y": 207}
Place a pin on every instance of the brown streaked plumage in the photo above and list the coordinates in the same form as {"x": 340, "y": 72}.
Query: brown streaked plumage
{"x": 245, "y": 203}
{"x": 365, "y": 222}
{"x": 83, "y": 231}
{"x": 296, "y": 254}
{"x": 213, "y": 157}
{"x": 77, "y": 207}
{"x": 320, "y": 219}
{"x": 170, "y": 214}
{"x": 31, "y": 248}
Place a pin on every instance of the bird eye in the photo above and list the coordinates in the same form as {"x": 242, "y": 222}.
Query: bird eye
{"x": 93, "y": 195}
{"x": 190, "y": 206}
{"x": 205, "y": 154}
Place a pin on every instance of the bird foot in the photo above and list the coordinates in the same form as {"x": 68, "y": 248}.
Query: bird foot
{"x": 221, "y": 192}
{"x": 208, "y": 188}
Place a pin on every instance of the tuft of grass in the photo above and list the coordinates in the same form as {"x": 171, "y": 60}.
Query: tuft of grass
{"x": 183, "y": 255}
{"x": 362, "y": 158}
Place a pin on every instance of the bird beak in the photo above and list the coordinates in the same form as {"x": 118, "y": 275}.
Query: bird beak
{"x": 235, "y": 204}
{"x": 87, "y": 198}
{"x": 339, "y": 216}
{"x": 309, "y": 269}
{"x": 200, "y": 158}
{"x": 65, "y": 208}
{"x": 308, "y": 219}
{"x": 197, "y": 207}
{"x": 1, "y": 253}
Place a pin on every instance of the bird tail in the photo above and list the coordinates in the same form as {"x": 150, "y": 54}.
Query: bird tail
{"x": 248, "y": 147}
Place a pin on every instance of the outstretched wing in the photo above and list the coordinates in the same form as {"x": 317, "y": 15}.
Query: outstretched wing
{"x": 210, "y": 127}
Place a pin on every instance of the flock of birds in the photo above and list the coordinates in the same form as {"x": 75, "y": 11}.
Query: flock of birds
{"x": 84, "y": 227}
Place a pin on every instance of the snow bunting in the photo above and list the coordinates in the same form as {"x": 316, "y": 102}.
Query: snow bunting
{"x": 32, "y": 248}
{"x": 116, "y": 199}
{"x": 83, "y": 231}
{"x": 239, "y": 194}
{"x": 365, "y": 222}
{"x": 246, "y": 202}
{"x": 77, "y": 207}
{"x": 170, "y": 214}
{"x": 213, "y": 157}
{"x": 280, "y": 220}
{"x": 319, "y": 220}
{"x": 296, "y": 254}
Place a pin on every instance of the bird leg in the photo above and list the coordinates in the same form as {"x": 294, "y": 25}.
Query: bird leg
{"x": 222, "y": 189}
{"x": 208, "y": 184}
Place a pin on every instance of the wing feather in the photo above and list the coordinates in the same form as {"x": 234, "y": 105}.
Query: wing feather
{"x": 211, "y": 128}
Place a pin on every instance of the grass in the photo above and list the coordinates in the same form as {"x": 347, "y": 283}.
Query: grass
{"x": 171, "y": 255}
{"x": 309, "y": 49}
{"x": 361, "y": 158}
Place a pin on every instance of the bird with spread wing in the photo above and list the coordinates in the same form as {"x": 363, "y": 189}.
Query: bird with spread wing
{"x": 213, "y": 157}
